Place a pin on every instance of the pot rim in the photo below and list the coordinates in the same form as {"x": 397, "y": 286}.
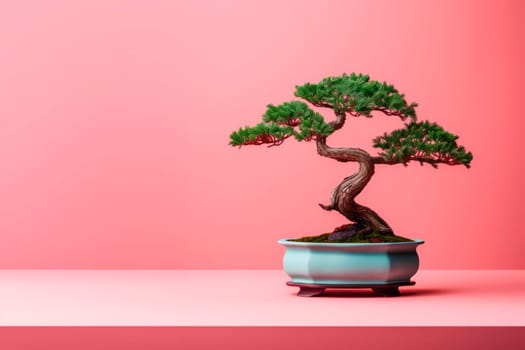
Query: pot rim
{"x": 287, "y": 242}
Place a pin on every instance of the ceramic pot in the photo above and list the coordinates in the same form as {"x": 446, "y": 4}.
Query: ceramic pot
{"x": 350, "y": 264}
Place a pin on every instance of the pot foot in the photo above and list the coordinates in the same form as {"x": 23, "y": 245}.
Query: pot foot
{"x": 387, "y": 291}
{"x": 309, "y": 291}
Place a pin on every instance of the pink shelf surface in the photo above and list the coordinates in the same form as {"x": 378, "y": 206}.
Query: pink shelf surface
{"x": 225, "y": 298}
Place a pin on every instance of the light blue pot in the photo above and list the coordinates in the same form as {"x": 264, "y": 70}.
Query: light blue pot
{"x": 350, "y": 263}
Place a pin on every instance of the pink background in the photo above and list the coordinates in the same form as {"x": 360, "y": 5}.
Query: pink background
{"x": 115, "y": 116}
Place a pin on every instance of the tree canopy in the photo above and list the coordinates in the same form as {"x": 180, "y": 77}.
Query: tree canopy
{"x": 293, "y": 118}
{"x": 424, "y": 142}
{"x": 356, "y": 95}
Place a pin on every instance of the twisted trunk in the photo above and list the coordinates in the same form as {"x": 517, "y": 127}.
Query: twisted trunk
{"x": 343, "y": 196}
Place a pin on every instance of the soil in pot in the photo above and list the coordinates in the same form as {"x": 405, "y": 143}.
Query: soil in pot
{"x": 353, "y": 233}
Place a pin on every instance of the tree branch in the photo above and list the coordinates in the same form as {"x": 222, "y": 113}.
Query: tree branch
{"x": 353, "y": 113}
{"x": 321, "y": 104}
{"x": 432, "y": 161}
{"x": 391, "y": 113}
{"x": 342, "y": 154}
{"x": 339, "y": 122}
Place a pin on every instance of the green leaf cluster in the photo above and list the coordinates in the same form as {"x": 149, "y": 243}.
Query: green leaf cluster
{"x": 287, "y": 112}
{"x": 424, "y": 142}
{"x": 358, "y": 95}
{"x": 260, "y": 133}
{"x": 292, "y": 118}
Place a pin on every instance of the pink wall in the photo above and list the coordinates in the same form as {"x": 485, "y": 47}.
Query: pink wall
{"x": 115, "y": 116}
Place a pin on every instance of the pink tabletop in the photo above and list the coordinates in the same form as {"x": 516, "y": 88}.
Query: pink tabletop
{"x": 252, "y": 298}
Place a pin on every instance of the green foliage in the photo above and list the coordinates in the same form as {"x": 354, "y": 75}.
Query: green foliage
{"x": 424, "y": 142}
{"x": 293, "y": 118}
{"x": 260, "y": 133}
{"x": 286, "y": 113}
{"x": 357, "y": 95}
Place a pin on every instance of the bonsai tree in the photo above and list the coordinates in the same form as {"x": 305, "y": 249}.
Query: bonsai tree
{"x": 358, "y": 96}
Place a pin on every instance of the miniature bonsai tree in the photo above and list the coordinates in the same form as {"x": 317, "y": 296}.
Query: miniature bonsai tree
{"x": 358, "y": 96}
